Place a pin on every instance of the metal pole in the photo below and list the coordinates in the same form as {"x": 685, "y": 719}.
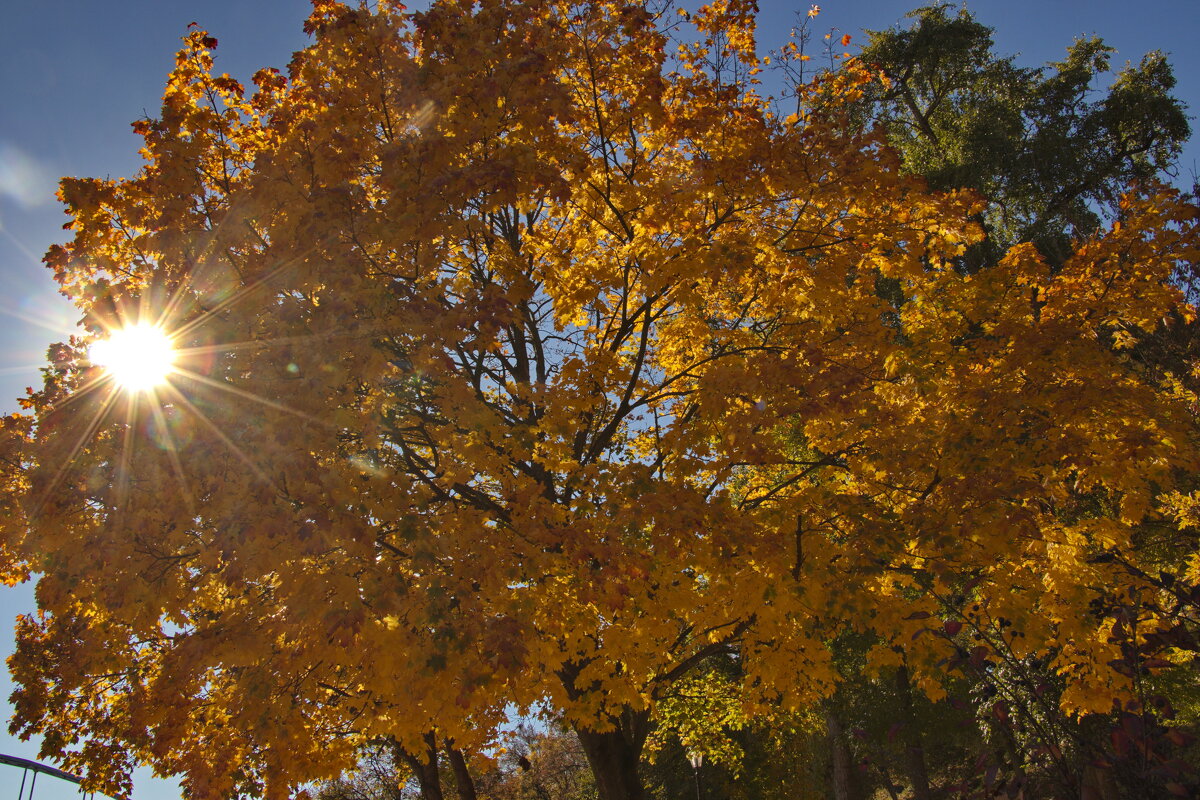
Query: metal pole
{"x": 697, "y": 773}
{"x": 27, "y": 765}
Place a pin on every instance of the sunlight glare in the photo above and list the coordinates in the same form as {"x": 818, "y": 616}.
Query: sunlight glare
{"x": 139, "y": 357}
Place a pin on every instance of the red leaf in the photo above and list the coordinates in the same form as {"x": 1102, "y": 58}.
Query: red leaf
{"x": 1180, "y": 738}
{"x": 979, "y": 655}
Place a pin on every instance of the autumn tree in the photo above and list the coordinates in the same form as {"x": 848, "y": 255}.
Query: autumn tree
{"x": 522, "y": 353}
{"x": 1051, "y": 150}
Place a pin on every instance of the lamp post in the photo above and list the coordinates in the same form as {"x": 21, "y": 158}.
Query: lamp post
{"x": 696, "y": 759}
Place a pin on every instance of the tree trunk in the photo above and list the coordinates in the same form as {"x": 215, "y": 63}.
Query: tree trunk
{"x": 425, "y": 768}
{"x": 844, "y": 778}
{"x": 614, "y": 756}
{"x": 1097, "y": 784}
{"x": 910, "y": 736}
{"x": 462, "y": 777}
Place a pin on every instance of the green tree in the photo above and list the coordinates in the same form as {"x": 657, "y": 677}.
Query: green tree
{"x": 1051, "y": 149}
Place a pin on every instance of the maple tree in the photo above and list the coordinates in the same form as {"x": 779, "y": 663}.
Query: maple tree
{"x": 527, "y": 354}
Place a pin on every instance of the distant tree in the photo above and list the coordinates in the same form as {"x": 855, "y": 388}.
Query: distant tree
{"x": 377, "y": 776}
{"x": 544, "y": 762}
{"x": 1051, "y": 149}
{"x": 386, "y": 771}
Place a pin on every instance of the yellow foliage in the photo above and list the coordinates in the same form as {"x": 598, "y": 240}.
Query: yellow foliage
{"x": 522, "y": 359}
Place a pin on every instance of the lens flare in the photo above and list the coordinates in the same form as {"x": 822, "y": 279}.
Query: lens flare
{"x": 139, "y": 357}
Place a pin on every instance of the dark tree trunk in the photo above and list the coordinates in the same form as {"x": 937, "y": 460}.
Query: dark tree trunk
{"x": 844, "y": 777}
{"x": 424, "y": 767}
{"x": 462, "y": 777}
{"x": 1098, "y": 784}
{"x": 614, "y": 756}
{"x": 914, "y": 751}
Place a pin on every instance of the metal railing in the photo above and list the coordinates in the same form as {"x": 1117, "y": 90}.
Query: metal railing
{"x": 37, "y": 768}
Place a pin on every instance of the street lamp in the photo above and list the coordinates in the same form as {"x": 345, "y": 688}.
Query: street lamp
{"x": 696, "y": 759}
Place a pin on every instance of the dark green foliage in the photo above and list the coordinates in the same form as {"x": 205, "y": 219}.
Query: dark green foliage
{"x": 1048, "y": 148}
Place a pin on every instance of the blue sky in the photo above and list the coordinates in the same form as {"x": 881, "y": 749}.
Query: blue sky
{"x": 75, "y": 73}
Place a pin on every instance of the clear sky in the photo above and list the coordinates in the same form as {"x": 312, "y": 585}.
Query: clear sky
{"x": 75, "y": 73}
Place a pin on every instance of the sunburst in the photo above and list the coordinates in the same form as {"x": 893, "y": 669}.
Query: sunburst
{"x": 139, "y": 357}
{"x": 150, "y": 365}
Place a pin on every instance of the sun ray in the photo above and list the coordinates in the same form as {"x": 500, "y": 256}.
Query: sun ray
{"x": 179, "y": 397}
{"x": 122, "y": 475}
{"x": 207, "y": 313}
{"x": 173, "y": 456}
{"x": 173, "y": 304}
{"x": 26, "y": 251}
{"x": 39, "y": 321}
{"x": 92, "y": 426}
{"x": 229, "y": 387}
{"x": 189, "y": 279}
{"x": 87, "y": 387}
{"x": 23, "y": 369}
{"x": 262, "y": 344}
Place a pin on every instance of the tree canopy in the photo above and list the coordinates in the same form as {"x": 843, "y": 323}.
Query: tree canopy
{"x": 527, "y": 353}
{"x": 1050, "y": 149}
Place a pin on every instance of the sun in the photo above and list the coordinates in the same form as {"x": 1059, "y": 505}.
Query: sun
{"x": 139, "y": 357}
